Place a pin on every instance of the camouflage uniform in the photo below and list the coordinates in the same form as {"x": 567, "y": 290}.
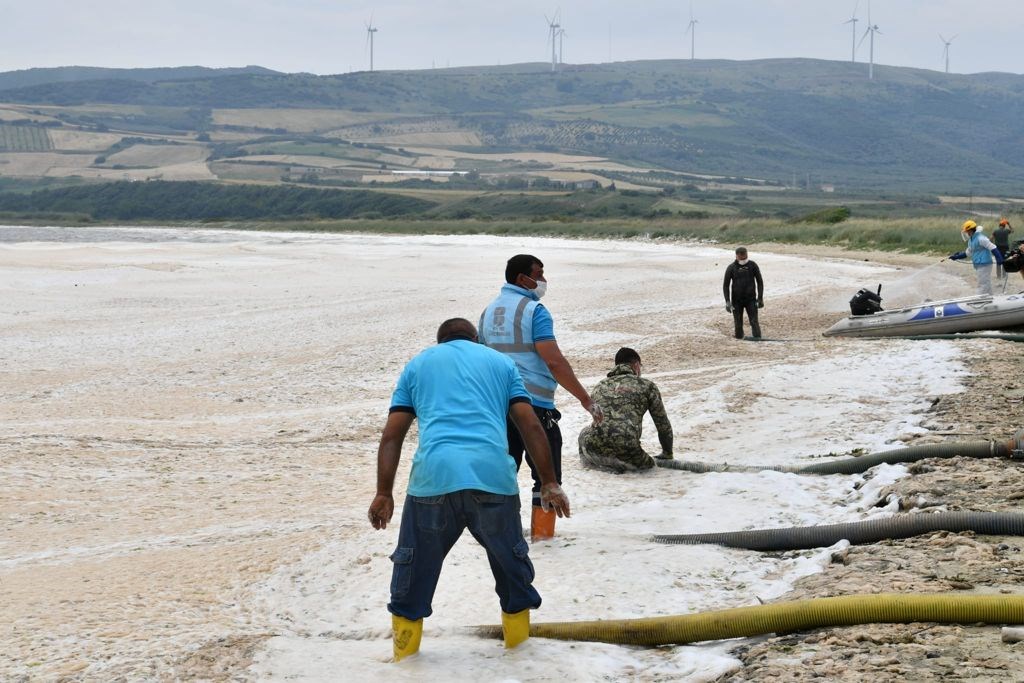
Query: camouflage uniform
{"x": 614, "y": 444}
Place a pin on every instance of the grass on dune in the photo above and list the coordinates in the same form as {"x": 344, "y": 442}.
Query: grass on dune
{"x": 910, "y": 235}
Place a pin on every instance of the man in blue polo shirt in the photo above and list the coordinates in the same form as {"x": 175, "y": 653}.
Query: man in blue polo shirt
{"x": 518, "y": 325}
{"x": 461, "y": 477}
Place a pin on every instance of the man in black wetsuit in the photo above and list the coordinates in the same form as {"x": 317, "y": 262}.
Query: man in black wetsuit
{"x": 747, "y": 292}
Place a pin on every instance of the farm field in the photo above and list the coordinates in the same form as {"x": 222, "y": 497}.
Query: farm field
{"x": 294, "y": 120}
{"x": 311, "y": 160}
{"x": 44, "y": 164}
{"x": 55, "y": 165}
{"x": 156, "y": 156}
{"x": 73, "y": 140}
{"x": 24, "y": 139}
{"x": 439, "y": 139}
{"x": 16, "y": 113}
{"x": 641, "y": 114}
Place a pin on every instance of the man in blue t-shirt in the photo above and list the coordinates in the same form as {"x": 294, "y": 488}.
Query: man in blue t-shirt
{"x": 462, "y": 477}
{"x": 518, "y": 325}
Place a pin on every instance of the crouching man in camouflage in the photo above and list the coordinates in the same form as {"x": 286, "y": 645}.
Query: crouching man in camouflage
{"x": 614, "y": 444}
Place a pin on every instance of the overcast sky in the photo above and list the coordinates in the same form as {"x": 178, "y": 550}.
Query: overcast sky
{"x": 325, "y": 37}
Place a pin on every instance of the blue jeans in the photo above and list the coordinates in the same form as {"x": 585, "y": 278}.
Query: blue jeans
{"x": 430, "y": 528}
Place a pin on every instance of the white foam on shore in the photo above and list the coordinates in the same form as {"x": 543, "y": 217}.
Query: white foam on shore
{"x": 168, "y": 344}
{"x": 330, "y": 607}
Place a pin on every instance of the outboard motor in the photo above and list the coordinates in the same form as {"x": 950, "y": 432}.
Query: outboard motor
{"x": 866, "y": 302}
{"x": 1014, "y": 262}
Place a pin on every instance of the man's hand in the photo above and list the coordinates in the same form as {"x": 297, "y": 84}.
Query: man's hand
{"x": 728, "y": 308}
{"x": 595, "y": 410}
{"x": 552, "y": 497}
{"x": 381, "y": 509}
{"x": 760, "y": 303}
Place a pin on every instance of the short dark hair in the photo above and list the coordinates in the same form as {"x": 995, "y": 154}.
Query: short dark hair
{"x": 741, "y": 250}
{"x": 455, "y": 327}
{"x": 520, "y": 264}
{"x": 626, "y": 355}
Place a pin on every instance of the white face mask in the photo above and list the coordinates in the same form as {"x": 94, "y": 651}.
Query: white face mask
{"x": 542, "y": 286}
{"x": 742, "y": 262}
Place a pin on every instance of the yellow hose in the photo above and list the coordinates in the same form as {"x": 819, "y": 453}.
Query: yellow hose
{"x": 785, "y": 617}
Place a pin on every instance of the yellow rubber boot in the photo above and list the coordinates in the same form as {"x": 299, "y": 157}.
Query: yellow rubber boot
{"x": 515, "y": 627}
{"x": 406, "y": 636}
{"x": 542, "y": 524}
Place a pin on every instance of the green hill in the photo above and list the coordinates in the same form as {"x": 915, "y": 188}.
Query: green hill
{"x": 778, "y": 120}
{"x": 27, "y": 78}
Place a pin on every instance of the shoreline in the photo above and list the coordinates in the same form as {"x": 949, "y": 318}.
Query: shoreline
{"x": 938, "y": 562}
{"x": 714, "y": 232}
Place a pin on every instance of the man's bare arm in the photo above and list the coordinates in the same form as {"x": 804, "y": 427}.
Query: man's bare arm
{"x": 388, "y": 454}
{"x": 566, "y": 378}
{"x": 536, "y": 442}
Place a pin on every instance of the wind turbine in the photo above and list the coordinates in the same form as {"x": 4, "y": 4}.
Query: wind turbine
{"x": 553, "y": 29}
{"x": 945, "y": 50}
{"x": 853, "y": 20}
{"x": 561, "y": 35}
{"x": 370, "y": 30}
{"x": 872, "y": 29}
{"x": 690, "y": 29}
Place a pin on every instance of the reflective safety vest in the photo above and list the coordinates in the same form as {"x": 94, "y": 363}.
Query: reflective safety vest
{"x": 506, "y": 325}
{"x": 979, "y": 255}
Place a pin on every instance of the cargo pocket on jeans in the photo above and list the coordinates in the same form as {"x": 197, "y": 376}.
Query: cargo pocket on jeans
{"x": 401, "y": 576}
{"x": 522, "y": 552}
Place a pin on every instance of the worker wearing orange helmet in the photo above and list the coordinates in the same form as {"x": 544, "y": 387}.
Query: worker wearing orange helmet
{"x": 982, "y": 253}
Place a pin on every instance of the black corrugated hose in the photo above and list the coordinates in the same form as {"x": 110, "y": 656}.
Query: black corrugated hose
{"x": 969, "y": 449}
{"x": 871, "y": 531}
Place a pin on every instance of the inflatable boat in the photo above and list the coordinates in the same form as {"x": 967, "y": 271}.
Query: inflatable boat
{"x": 969, "y": 314}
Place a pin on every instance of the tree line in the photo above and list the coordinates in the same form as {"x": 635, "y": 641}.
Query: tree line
{"x": 172, "y": 201}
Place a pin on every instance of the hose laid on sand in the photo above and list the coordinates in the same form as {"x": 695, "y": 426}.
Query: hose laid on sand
{"x": 900, "y": 526}
{"x": 785, "y": 617}
{"x": 970, "y": 449}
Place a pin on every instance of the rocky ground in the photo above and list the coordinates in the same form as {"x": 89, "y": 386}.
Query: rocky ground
{"x": 940, "y": 562}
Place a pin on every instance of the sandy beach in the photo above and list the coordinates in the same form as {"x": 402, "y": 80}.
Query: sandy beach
{"x": 188, "y": 430}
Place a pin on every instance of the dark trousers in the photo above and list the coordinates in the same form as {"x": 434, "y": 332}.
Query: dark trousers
{"x": 549, "y": 418}
{"x": 430, "y": 528}
{"x": 737, "y": 317}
